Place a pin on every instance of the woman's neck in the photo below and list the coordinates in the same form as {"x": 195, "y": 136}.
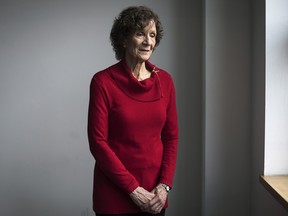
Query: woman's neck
{"x": 138, "y": 69}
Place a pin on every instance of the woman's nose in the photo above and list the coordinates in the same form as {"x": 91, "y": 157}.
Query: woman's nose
{"x": 147, "y": 39}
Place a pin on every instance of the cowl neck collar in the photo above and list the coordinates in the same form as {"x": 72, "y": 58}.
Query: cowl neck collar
{"x": 146, "y": 90}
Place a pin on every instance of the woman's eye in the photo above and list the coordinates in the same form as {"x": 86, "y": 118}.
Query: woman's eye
{"x": 152, "y": 35}
{"x": 139, "y": 34}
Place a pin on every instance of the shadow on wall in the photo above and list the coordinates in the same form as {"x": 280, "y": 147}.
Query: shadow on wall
{"x": 188, "y": 81}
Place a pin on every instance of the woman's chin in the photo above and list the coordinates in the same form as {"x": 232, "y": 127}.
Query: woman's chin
{"x": 144, "y": 57}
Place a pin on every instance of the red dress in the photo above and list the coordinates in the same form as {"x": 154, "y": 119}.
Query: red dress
{"x": 133, "y": 135}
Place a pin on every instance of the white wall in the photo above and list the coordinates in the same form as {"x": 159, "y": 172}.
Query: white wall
{"x": 49, "y": 51}
{"x": 276, "y": 138}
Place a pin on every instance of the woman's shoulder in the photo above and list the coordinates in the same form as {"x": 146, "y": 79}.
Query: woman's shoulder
{"x": 165, "y": 74}
{"x": 165, "y": 77}
{"x": 104, "y": 75}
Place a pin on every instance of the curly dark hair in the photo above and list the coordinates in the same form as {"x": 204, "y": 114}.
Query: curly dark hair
{"x": 129, "y": 21}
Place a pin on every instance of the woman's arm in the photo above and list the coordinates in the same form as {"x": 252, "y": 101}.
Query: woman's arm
{"x": 169, "y": 138}
{"x": 106, "y": 159}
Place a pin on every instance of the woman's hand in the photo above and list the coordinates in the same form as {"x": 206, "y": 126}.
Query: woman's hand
{"x": 141, "y": 197}
{"x": 157, "y": 203}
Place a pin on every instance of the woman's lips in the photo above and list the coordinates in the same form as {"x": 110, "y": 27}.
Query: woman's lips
{"x": 144, "y": 50}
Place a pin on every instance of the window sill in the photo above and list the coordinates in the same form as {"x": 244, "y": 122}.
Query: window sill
{"x": 278, "y": 187}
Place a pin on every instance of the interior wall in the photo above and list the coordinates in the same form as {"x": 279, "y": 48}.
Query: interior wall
{"x": 235, "y": 64}
{"x": 227, "y": 107}
{"x": 188, "y": 50}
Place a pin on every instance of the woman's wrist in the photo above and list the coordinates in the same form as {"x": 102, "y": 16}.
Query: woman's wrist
{"x": 166, "y": 187}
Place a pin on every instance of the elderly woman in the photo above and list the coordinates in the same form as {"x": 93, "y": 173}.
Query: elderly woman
{"x": 132, "y": 122}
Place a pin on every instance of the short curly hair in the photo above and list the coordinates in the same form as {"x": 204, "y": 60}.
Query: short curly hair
{"x": 129, "y": 21}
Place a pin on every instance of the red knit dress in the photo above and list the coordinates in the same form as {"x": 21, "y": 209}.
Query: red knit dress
{"x": 133, "y": 135}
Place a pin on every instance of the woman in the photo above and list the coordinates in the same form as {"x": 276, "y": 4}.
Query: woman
{"x": 132, "y": 122}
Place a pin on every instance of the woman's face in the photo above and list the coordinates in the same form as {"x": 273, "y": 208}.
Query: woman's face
{"x": 139, "y": 47}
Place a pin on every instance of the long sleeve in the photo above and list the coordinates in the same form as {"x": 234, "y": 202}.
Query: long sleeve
{"x": 106, "y": 159}
{"x": 169, "y": 138}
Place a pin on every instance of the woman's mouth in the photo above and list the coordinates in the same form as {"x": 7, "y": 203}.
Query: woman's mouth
{"x": 144, "y": 50}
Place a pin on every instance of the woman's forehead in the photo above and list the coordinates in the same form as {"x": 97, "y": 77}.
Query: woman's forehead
{"x": 150, "y": 26}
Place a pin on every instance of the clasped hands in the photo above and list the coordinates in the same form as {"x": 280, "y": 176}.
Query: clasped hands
{"x": 151, "y": 202}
